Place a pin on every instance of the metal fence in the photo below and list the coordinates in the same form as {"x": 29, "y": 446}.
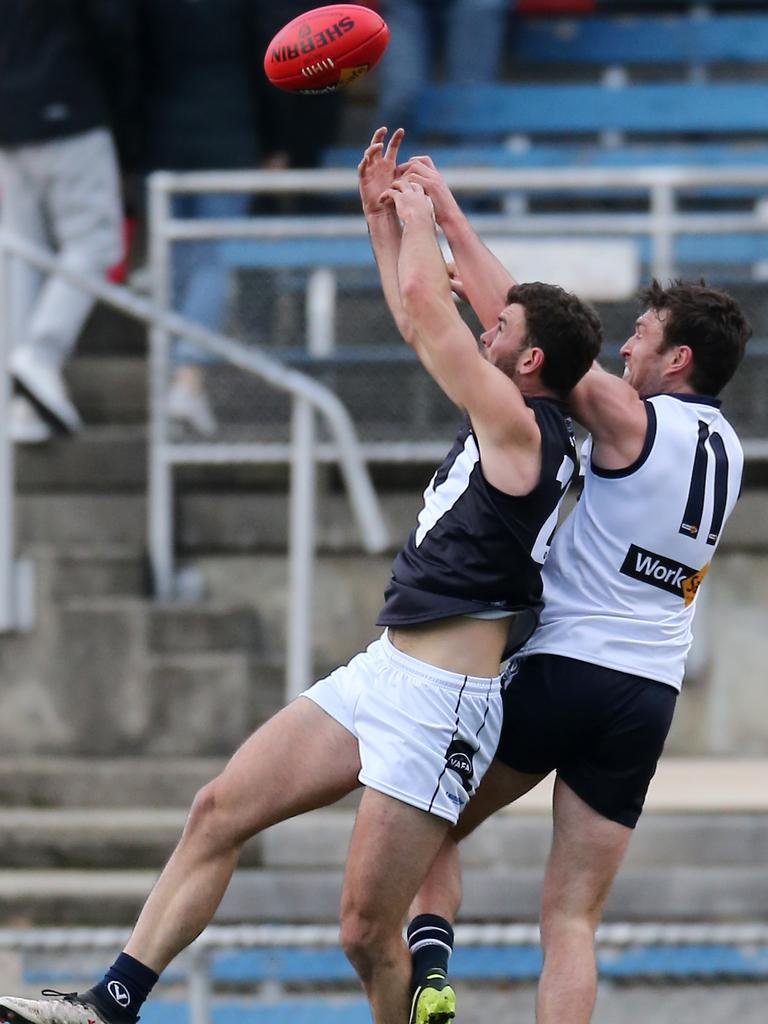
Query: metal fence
{"x": 305, "y": 288}
{"x": 300, "y": 953}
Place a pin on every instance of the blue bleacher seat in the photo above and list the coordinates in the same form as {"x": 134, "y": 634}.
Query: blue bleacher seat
{"x": 717, "y": 117}
{"x": 564, "y": 123}
{"x": 637, "y": 39}
{"x": 494, "y": 112}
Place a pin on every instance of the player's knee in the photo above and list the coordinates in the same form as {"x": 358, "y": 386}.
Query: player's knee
{"x": 364, "y": 941}
{"x": 210, "y": 819}
{"x": 559, "y": 927}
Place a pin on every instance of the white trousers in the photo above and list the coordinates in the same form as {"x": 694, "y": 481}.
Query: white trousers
{"x": 64, "y": 196}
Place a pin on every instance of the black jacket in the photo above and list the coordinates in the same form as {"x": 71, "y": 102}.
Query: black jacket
{"x": 66, "y": 66}
{"x": 201, "y": 83}
{"x": 206, "y": 102}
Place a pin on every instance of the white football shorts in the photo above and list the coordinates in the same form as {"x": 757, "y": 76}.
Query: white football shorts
{"x": 426, "y": 736}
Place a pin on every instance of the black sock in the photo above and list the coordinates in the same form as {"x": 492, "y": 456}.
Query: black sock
{"x": 430, "y": 940}
{"x": 122, "y": 990}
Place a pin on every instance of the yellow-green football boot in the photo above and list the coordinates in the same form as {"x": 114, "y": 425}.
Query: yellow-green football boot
{"x": 434, "y": 1001}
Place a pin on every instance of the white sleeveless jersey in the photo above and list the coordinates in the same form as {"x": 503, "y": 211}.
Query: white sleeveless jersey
{"x": 622, "y": 575}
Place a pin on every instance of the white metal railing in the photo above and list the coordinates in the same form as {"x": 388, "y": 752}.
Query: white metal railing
{"x": 662, "y": 223}
{"x": 307, "y": 395}
{"x": 195, "y": 961}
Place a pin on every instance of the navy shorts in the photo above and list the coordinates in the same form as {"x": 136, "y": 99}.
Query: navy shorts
{"x": 603, "y": 731}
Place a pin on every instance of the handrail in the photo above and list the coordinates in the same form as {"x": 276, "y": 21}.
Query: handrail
{"x": 373, "y": 529}
{"x": 333, "y": 180}
{"x": 661, "y": 223}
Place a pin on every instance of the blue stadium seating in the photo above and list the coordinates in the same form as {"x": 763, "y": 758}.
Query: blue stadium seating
{"x": 695, "y": 93}
{"x": 497, "y": 111}
{"x": 642, "y": 40}
{"x": 707, "y": 123}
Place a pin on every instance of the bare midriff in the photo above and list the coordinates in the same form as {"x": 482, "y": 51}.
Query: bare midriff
{"x": 470, "y": 647}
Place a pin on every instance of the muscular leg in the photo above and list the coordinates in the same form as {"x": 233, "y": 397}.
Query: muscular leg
{"x": 440, "y": 893}
{"x": 392, "y": 847}
{"x": 586, "y": 853}
{"x": 284, "y": 769}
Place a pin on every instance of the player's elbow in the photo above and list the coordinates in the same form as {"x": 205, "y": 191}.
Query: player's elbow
{"x": 416, "y": 295}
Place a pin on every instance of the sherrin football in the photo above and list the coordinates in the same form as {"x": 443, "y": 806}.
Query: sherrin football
{"x": 326, "y": 48}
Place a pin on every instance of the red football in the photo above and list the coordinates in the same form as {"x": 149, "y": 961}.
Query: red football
{"x": 326, "y": 48}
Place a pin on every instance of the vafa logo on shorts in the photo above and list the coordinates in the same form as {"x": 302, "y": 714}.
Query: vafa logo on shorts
{"x": 663, "y": 573}
{"x": 459, "y": 757}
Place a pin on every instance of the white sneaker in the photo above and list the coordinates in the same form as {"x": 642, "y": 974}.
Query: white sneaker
{"x": 43, "y": 383}
{"x": 62, "y": 1008}
{"x": 191, "y": 408}
{"x": 25, "y": 424}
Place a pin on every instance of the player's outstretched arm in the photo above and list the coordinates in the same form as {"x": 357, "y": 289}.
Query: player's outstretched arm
{"x": 447, "y": 348}
{"x": 484, "y": 279}
{"x": 376, "y": 173}
{"x": 614, "y": 414}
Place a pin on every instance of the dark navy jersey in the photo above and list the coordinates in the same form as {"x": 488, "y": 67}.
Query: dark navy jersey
{"x": 476, "y": 549}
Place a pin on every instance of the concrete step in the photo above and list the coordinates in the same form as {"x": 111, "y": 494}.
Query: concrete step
{"x": 248, "y": 520}
{"x": 102, "y": 459}
{"x": 90, "y": 571}
{"x": 203, "y": 627}
{"x": 110, "y": 333}
{"x": 223, "y": 521}
{"x": 180, "y": 682}
{"x": 129, "y": 838}
{"x": 523, "y": 840}
{"x": 668, "y": 894}
{"x": 101, "y": 838}
{"x": 698, "y": 854}
{"x": 109, "y": 388}
{"x": 95, "y": 782}
{"x": 102, "y": 674}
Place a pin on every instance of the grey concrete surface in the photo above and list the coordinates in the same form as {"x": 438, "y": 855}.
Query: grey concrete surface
{"x": 626, "y": 1004}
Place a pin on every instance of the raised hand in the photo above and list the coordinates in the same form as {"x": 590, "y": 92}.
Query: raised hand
{"x": 457, "y": 285}
{"x": 376, "y": 171}
{"x": 411, "y": 201}
{"x": 421, "y": 169}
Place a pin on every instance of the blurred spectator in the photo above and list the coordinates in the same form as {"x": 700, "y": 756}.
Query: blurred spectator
{"x": 201, "y": 80}
{"x": 207, "y": 105}
{"x": 463, "y": 37}
{"x": 66, "y": 72}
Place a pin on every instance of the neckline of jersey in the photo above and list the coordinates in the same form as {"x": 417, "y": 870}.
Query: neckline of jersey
{"x": 684, "y": 396}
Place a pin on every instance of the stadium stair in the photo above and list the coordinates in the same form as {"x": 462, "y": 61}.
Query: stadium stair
{"x": 73, "y": 855}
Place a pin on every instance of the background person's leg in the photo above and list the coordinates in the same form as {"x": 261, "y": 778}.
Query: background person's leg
{"x": 22, "y": 214}
{"x": 587, "y": 850}
{"x": 84, "y": 207}
{"x": 201, "y": 284}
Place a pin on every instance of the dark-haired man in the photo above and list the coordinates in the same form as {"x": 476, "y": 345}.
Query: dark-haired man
{"x": 592, "y": 694}
{"x": 415, "y": 718}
